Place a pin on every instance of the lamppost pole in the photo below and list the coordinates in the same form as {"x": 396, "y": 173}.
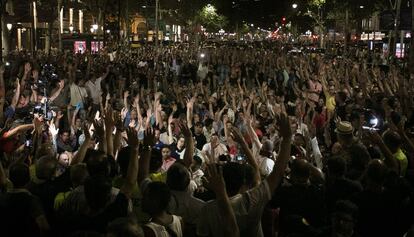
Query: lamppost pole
{"x": 157, "y": 3}
{"x": 2, "y": 10}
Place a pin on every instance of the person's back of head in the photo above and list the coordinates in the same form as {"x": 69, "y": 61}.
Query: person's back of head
{"x": 123, "y": 160}
{"x": 344, "y": 217}
{"x": 78, "y": 174}
{"x": 156, "y": 161}
{"x": 46, "y": 167}
{"x": 234, "y": 178}
{"x": 359, "y": 156}
{"x": 97, "y": 191}
{"x": 156, "y": 198}
{"x": 300, "y": 171}
{"x": 46, "y": 149}
{"x": 375, "y": 173}
{"x": 392, "y": 140}
{"x": 19, "y": 175}
{"x": 97, "y": 163}
{"x": 336, "y": 167}
{"x": 178, "y": 177}
{"x": 124, "y": 227}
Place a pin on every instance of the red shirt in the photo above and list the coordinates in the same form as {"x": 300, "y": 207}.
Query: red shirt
{"x": 8, "y": 144}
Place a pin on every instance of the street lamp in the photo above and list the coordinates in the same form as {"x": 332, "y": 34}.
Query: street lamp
{"x": 95, "y": 27}
{"x": 294, "y": 5}
{"x": 362, "y": 7}
{"x": 71, "y": 28}
{"x": 9, "y": 26}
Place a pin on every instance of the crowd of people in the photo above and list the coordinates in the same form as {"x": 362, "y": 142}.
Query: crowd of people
{"x": 230, "y": 140}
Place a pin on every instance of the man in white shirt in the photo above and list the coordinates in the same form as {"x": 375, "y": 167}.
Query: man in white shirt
{"x": 202, "y": 71}
{"x": 214, "y": 149}
{"x": 264, "y": 160}
{"x": 248, "y": 207}
{"x": 78, "y": 93}
{"x": 182, "y": 202}
{"x": 93, "y": 86}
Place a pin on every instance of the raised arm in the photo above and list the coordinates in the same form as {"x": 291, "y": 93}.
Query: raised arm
{"x": 3, "y": 178}
{"x": 144, "y": 162}
{"x": 2, "y": 93}
{"x": 59, "y": 89}
{"x": 126, "y": 105}
{"x": 132, "y": 172}
{"x": 109, "y": 128}
{"x": 276, "y": 176}
{"x": 390, "y": 160}
{"x": 238, "y": 137}
{"x": 80, "y": 155}
{"x": 18, "y": 130}
{"x": 215, "y": 182}
{"x": 100, "y": 132}
{"x": 189, "y": 144}
{"x": 16, "y": 96}
{"x": 190, "y": 106}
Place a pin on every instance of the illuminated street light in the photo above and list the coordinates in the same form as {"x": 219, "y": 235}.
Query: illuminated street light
{"x": 71, "y": 28}
{"x": 9, "y": 26}
{"x": 252, "y": 25}
{"x": 362, "y": 7}
{"x": 294, "y": 5}
{"x": 210, "y": 8}
{"x": 95, "y": 26}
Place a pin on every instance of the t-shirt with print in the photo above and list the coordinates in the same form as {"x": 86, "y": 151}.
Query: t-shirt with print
{"x": 248, "y": 208}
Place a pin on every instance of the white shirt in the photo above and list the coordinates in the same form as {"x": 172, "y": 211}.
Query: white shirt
{"x": 95, "y": 90}
{"x": 160, "y": 230}
{"x": 248, "y": 209}
{"x": 185, "y": 205}
{"x": 202, "y": 72}
{"x": 221, "y": 149}
{"x": 265, "y": 165}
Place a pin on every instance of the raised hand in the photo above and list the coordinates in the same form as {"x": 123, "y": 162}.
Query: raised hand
{"x": 149, "y": 138}
{"x": 38, "y": 125}
{"x": 214, "y": 179}
{"x": 99, "y": 129}
{"x": 27, "y": 68}
{"x": 132, "y": 137}
{"x": 185, "y": 130}
{"x": 61, "y": 84}
{"x": 284, "y": 126}
{"x": 86, "y": 132}
{"x": 52, "y": 129}
{"x": 118, "y": 122}
{"x": 236, "y": 134}
{"x": 109, "y": 118}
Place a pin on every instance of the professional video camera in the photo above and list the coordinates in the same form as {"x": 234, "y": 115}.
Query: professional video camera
{"x": 47, "y": 77}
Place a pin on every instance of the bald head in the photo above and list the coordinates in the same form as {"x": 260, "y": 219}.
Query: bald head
{"x": 300, "y": 170}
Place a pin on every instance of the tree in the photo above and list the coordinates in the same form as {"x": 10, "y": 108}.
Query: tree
{"x": 315, "y": 12}
{"x": 210, "y": 19}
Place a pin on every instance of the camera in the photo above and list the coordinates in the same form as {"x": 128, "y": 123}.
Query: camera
{"x": 43, "y": 110}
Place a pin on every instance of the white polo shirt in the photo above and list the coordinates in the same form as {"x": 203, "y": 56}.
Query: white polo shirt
{"x": 95, "y": 90}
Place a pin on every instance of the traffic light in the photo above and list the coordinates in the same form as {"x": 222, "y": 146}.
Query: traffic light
{"x": 283, "y": 21}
